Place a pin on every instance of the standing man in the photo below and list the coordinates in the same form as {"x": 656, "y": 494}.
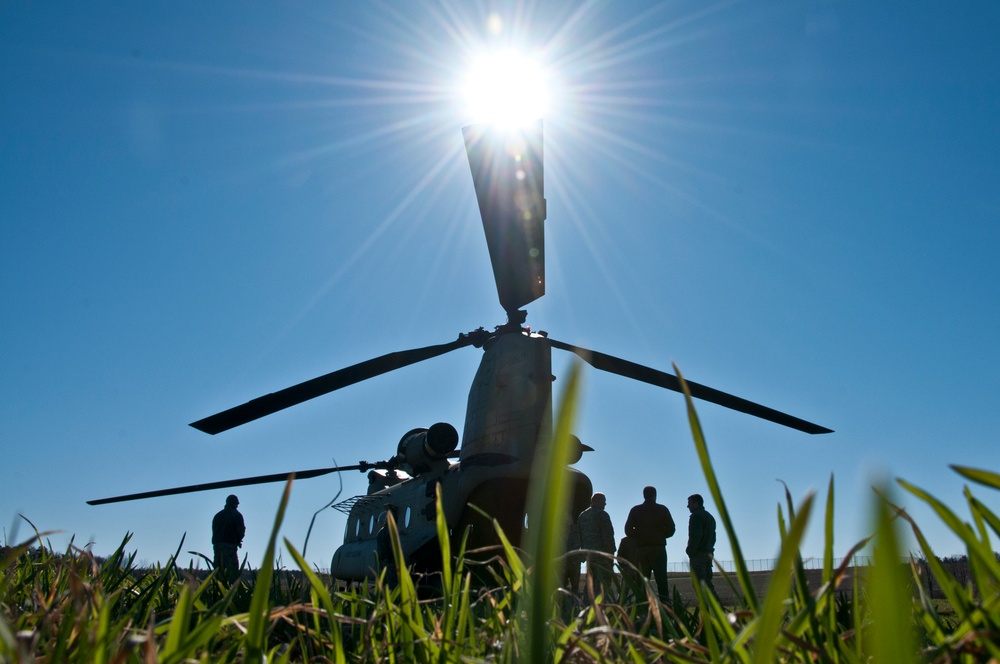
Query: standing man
{"x": 701, "y": 540}
{"x": 597, "y": 534}
{"x": 649, "y": 524}
{"x": 228, "y": 530}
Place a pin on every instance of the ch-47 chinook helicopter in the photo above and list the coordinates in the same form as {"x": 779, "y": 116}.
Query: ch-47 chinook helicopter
{"x": 509, "y": 401}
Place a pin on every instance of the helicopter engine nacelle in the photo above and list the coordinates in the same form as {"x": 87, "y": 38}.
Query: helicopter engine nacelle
{"x": 427, "y": 450}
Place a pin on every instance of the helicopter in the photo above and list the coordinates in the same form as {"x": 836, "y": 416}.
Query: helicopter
{"x": 509, "y": 402}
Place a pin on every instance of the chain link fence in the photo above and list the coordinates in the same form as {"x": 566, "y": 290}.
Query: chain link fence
{"x": 767, "y": 564}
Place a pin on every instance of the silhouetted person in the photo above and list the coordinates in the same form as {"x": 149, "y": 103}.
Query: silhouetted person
{"x": 701, "y": 540}
{"x": 383, "y": 543}
{"x": 628, "y": 562}
{"x": 571, "y": 564}
{"x": 649, "y": 525}
{"x": 597, "y": 534}
{"x": 228, "y": 530}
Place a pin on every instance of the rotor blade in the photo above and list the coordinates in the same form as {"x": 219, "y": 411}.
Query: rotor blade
{"x": 645, "y": 374}
{"x": 508, "y": 174}
{"x": 246, "y": 481}
{"x": 296, "y": 394}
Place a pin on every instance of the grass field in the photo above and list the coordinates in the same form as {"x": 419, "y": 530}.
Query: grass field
{"x": 70, "y": 607}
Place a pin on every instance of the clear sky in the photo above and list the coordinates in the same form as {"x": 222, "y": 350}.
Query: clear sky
{"x": 204, "y": 202}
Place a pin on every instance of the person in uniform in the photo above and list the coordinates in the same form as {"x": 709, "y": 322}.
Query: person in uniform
{"x": 228, "y": 530}
{"x": 597, "y": 534}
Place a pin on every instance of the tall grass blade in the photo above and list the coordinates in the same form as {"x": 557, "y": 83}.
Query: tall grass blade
{"x": 984, "y": 477}
{"x": 742, "y": 573}
{"x": 455, "y": 609}
{"x": 828, "y": 578}
{"x": 178, "y": 625}
{"x": 717, "y": 629}
{"x": 978, "y": 517}
{"x": 891, "y": 639}
{"x": 256, "y": 635}
{"x": 951, "y": 589}
{"x": 979, "y": 553}
{"x": 548, "y": 505}
{"x": 515, "y": 566}
{"x": 321, "y": 595}
{"x": 157, "y": 594}
{"x": 986, "y": 514}
{"x": 441, "y": 523}
{"x": 410, "y": 619}
{"x": 772, "y": 614}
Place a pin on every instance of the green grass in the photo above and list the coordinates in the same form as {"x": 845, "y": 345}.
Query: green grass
{"x": 71, "y": 607}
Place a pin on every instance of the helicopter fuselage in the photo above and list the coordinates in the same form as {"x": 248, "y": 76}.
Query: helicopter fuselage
{"x": 509, "y": 411}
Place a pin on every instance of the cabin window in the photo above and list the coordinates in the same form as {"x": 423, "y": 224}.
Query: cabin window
{"x": 406, "y": 517}
{"x": 357, "y": 526}
{"x": 371, "y": 524}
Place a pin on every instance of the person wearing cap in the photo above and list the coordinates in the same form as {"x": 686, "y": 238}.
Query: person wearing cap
{"x": 228, "y": 530}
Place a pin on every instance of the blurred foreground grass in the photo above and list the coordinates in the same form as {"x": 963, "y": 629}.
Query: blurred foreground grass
{"x": 71, "y": 607}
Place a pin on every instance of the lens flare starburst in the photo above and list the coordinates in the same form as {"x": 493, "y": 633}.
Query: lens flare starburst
{"x": 506, "y": 88}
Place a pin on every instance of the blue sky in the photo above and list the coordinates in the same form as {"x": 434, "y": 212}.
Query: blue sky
{"x": 204, "y": 202}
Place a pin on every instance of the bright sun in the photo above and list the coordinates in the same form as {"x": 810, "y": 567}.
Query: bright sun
{"x": 505, "y": 88}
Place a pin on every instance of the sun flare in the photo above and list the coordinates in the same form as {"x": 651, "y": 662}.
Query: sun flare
{"x": 505, "y": 88}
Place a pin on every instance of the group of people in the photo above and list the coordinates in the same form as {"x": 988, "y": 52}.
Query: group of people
{"x": 644, "y": 546}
